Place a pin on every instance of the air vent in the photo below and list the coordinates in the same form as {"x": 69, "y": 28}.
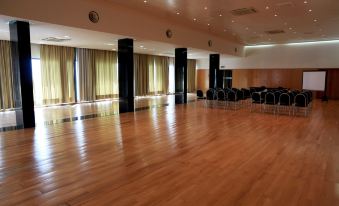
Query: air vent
{"x": 243, "y": 11}
{"x": 278, "y": 31}
{"x": 285, "y": 4}
{"x": 57, "y": 39}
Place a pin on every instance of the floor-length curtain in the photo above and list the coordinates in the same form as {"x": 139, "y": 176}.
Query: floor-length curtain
{"x": 98, "y": 74}
{"x": 106, "y": 68}
{"x": 86, "y": 74}
{"x": 57, "y": 74}
{"x": 191, "y": 75}
{"x": 141, "y": 75}
{"x": 151, "y": 73}
{"x": 6, "y": 76}
{"x": 162, "y": 74}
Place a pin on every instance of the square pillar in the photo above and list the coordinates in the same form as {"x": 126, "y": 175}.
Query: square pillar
{"x": 126, "y": 70}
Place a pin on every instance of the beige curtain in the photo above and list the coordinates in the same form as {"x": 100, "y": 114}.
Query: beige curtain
{"x": 162, "y": 74}
{"x": 98, "y": 74}
{"x": 151, "y": 73}
{"x": 57, "y": 74}
{"x": 6, "y": 76}
{"x": 86, "y": 74}
{"x": 141, "y": 77}
{"x": 106, "y": 74}
{"x": 191, "y": 75}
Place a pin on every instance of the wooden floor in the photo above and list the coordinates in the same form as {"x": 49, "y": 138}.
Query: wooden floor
{"x": 183, "y": 155}
{"x": 61, "y": 113}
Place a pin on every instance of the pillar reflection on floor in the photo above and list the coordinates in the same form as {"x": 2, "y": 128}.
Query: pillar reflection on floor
{"x": 50, "y": 115}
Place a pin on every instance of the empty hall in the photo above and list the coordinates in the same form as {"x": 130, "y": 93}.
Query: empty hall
{"x": 169, "y": 102}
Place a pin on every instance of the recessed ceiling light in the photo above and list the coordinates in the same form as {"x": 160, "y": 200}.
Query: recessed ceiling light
{"x": 141, "y": 46}
{"x": 145, "y": 1}
{"x": 310, "y": 10}
{"x": 315, "y": 20}
{"x": 305, "y": 2}
{"x": 220, "y": 14}
{"x": 275, "y": 15}
{"x": 208, "y": 24}
{"x": 233, "y": 21}
{"x": 267, "y": 7}
{"x": 205, "y": 7}
{"x": 290, "y": 28}
{"x": 178, "y": 13}
{"x": 246, "y": 28}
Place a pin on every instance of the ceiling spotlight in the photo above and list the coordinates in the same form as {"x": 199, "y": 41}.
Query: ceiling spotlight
{"x": 145, "y": 1}
{"x": 194, "y": 19}
{"x": 310, "y": 10}
{"x": 233, "y": 21}
{"x": 290, "y": 28}
{"x": 220, "y": 14}
{"x": 141, "y": 46}
{"x": 205, "y": 7}
{"x": 315, "y": 20}
{"x": 178, "y": 13}
{"x": 267, "y": 7}
{"x": 305, "y": 2}
{"x": 208, "y": 24}
{"x": 275, "y": 15}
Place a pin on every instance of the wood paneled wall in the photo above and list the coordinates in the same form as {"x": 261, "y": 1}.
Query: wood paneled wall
{"x": 203, "y": 79}
{"x": 289, "y": 78}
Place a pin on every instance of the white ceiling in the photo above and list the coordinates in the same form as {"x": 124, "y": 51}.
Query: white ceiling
{"x": 302, "y": 20}
{"x": 82, "y": 38}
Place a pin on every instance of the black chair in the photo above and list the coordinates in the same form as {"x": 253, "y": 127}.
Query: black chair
{"x": 271, "y": 100}
{"x": 200, "y": 94}
{"x": 257, "y": 99}
{"x": 210, "y": 97}
{"x": 301, "y": 103}
{"x": 221, "y": 97}
{"x": 285, "y": 102}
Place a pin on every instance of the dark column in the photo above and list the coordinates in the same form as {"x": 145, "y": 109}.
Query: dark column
{"x": 215, "y": 74}
{"x": 125, "y": 69}
{"x": 181, "y": 75}
{"x": 22, "y": 71}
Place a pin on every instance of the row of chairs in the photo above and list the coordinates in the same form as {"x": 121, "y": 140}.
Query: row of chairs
{"x": 227, "y": 97}
{"x": 282, "y": 101}
{"x": 276, "y": 100}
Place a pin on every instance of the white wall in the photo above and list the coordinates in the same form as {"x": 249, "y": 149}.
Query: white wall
{"x": 289, "y": 56}
{"x": 118, "y": 20}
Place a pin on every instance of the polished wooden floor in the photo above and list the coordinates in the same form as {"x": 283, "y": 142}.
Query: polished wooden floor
{"x": 58, "y": 113}
{"x": 183, "y": 155}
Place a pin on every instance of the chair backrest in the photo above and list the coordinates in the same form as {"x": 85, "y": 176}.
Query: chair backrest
{"x": 285, "y": 99}
{"x": 256, "y": 97}
{"x": 200, "y": 93}
{"x": 221, "y": 95}
{"x": 300, "y": 100}
{"x": 270, "y": 98}
{"x": 210, "y": 94}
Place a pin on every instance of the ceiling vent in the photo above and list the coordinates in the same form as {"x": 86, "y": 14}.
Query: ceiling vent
{"x": 278, "y": 31}
{"x": 285, "y": 4}
{"x": 57, "y": 39}
{"x": 243, "y": 11}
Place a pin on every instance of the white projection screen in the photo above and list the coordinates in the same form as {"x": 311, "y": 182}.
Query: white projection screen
{"x": 314, "y": 80}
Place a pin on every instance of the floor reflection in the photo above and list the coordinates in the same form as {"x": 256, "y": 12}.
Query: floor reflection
{"x": 42, "y": 151}
{"x": 73, "y": 112}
